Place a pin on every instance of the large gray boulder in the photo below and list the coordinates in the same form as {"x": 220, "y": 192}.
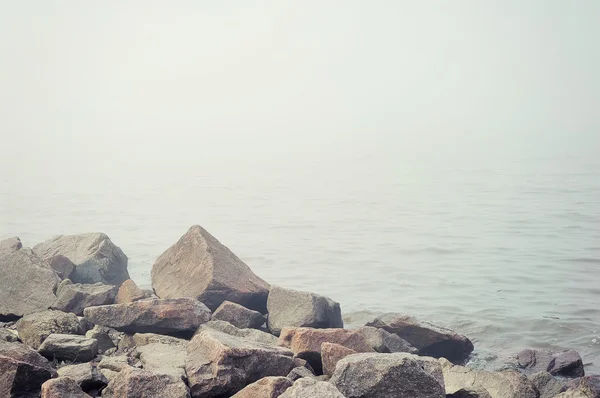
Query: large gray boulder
{"x": 87, "y": 376}
{"x": 557, "y": 363}
{"x": 96, "y": 257}
{"x": 239, "y": 316}
{"x": 27, "y": 284}
{"x": 69, "y": 347}
{"x": 397, "y": 375}
{"x": 247, "y": 334}
{"x": 137, "y": 383}
{"x": 267, "y": 387}
{"x": 546, "y": 384}
{"x": 62, "y": 387}
{"x": 384, "y": 341}
{"x": 429, "y": 339}
{"x": 76, "y": 297}
{"x": 35, "y": 328}
{"x": 22, "y": 370}
{"x": 200, "y": 267}
{"x": 10, "y": 245}
{"x": 171, "y": 316}
{"x": 219, "y": 364}
{"x": 310, "y": 388}
{"x": 293, "y": 308}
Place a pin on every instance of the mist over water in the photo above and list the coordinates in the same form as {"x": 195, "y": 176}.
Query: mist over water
{"x": 431, "y": 159}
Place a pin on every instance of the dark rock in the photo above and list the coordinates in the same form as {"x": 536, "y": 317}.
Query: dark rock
{"x": 563, "y": 363}
{"x": 430, "y": 340}
{"x": 62, "y": 387}
{"x": 239, "y": 316}
{"x": 248, "y": 334}
{"x": 385, "y": 342}
{"x": 137, "y": 383}
{"x": 310, "y": 388}
{"x": 546, "y": 384}
{"x": 62, "y": 265}
{"x": 300, "y": 372}
{"x": 22, "y": 370}
{"x": 129, "y": 292}
{"x": 171, "y": 316}
{"x": 107, "y": 338}
{"x": 96, "y": 258}
{"x": 10, "y": 245}
{"x": 331, "y": 354}
{"x": 293, "y": 308}
{"x": 268, "y": 387}
{"x": 469, "y": 393}
{"x": 87, "y": 376}
{"x": 68, "y": 347}
{"x": 200, "y": 267}
{"x": 35, "y": 328}
{"x": 75, "y": 298}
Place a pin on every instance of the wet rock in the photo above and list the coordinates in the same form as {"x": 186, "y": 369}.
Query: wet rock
{"x": 385, "y": 342}
{"x": 10, "y": 245}
{"x": 8, "y": 335}
{"x": 331, "y": 354}
{"x": 200, "y": 267}
{"x": 62, "y": 387}
{"x": 546, "y": 384}
{"x": 563, "y": 363}
{"x": 293, "y": 308}
{"x": 129, "y": 292}
{"x": 27, "y": 284}
{"x": 248, "y": 334}
{"x": 171, "y": 316}
{"x": 430, "y": 340}
{"x": 22, "y": 370}
{"x": 268, "y": 387}
{"x": 62, "y": 265}
{"x": 239, "y": 316}
{"x": 35, "y": 328}
{"x": 219, "y": 364}
{"x": 300, "y": 372}
{"x": 584, "y": 387}
{"x": 137, "y": 383}
{"x": 161, "y": 358}
{"x": 469, "y": 393}
{"x": 96, "y": 257}
{"x": 107, "y": 338}
{"x": 75, "y": 298}
{"x": 68, "y": 347}
{"x": 310, "y": 388}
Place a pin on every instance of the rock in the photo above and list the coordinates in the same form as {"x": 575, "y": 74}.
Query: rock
{"x": 300, "y": 372}
{"x": 564, "y": 363}
{"x": 584, "y": 387}
{"x": 107, "y": 338}
{"x": 8, "y": 335}
{"x": 62, "y": 387}
{"x": 306, "y": 343}
{"x": 75, "y": 298}
{"x": 397, "y": 375}
{"x": 142, "y": 339}
{"x": 22, "y": 370}
{"x": 505, "y": 384}
{"x": 68, "y": 347}
{"x": 293, "y": 308}
{"x": 268, "y": 387}
{"x": 384, "y": 341}
{"x": 166, "y": 359}
{"x": 248, "y": 334}
{"x": 200, "y": 267}
{"x": 62, "y": 265}
{"x": 87, "y": 376}
{"x": 239, "y": 316}
{"x": 172, "y": 316}
{"x": 468, "y": 393}
{"x": 430, "y": 340}
{"x": 137, "y": 383}
{"x": 219, "y": 364}
{"x": 96, "y": 258}
{"x": 129, "y": 292}
{"x": 546, "y": 384}
{"x": 35, "y": 328}
{"x": 10, "y": 245}
{"x": 111, "y": 366}
{"x": 331, "y": 354}
{"x": 310, "y": 388}
{"x": 27, "y": 284}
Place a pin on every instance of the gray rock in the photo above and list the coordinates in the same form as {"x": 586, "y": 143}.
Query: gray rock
{"x": 310, "y": 388}
{"x": 129, "y": 292}
{"x": 219, "y": 364}
{"x": 563, "y": 363}
{"x": 397, "y": 375}
{"x": 171, "y": 316}
{"x": 166, "y": 359}
{"x": 27, "y": 284}
{"x": 22, "y": 370}
{"x": 62, "y": 387}
{"x": 142, "y": 339}
{"x": 429, "y": 339}
{"x": 293, "y": 308}
{"x": 68, "y": 347}
{"x": 107, "y": 338}
{"x": 248, "y": 334}
{"x": 75, "y": 298}
{"x": 96, "y": 258}
{"x": 469, "y": 393}
{"x": 111, "y": 366}
{"x": 582, "y": 387}
{"x": 300, "y": 372}
{"x": 546, "y": 384}
{"x": 239, "y": 316}
{"x": 10, "y": 245}
{"x": 62, "y": 265}
{"x": 35, "y": 328}
{"x": 199, "y": 266}
{"x": 385, "y": 342}
{"x": 137, "y": 383}
{"x": 268, "y": 387}
{"x": 87, "y": 376}
{"x": 8, "y": 335}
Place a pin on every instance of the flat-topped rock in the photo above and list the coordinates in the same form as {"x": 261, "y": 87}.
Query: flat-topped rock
{"x": 68, "y": 347}
{"x": 35, "y": 328}
{"x": 161, "y": 358}
{"x": 75, "y": 297}
{"x": 247, "y": 334}
{"x": 239, "y": 316}
{"x": 557, "y": 363}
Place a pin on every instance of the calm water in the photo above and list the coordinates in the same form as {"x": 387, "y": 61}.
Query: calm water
{"x": 502, "y": 245}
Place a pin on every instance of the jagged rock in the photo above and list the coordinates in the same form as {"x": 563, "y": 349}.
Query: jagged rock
{"x": 267, "y": 387}
{"x": 35, "y": 328}
{"x": 27, "y": 284}
{"x": 385, "y": 342}
{"x": 87, "y": 376}
{"x": 137, "y": 383}
{"x": 62, "y": 265}
{"x": 69, "y": 347}
{"x": 107, "y": 338}
{"x": 300, "y": 372}
{"x": 75, "y": 298}
{"x": 111, "y": 366}
{"x": 430, "y": 340}
{"x": 310, "y": 388}
{"x": 10, "y": 245}
{"x": 293, "y": 308}
{"x": 219, "y": 364}
{"x": 563, "y": 363}
{"x": 171, "y": 316}
{"x": 62, "y": 387}
{"x": 22, "y": 370}
{"x": 546, "y": 384}
{"x": 397, "y": 375}
{"x": 200, "y": 267}
{"x": 248, "y": 334}
{"x": 8, "y": 335}
{"x": 142, "y": 339}
{"x": 582, "y": 387}
{"x": 96, "y": 258}
{"x": 161, "y": 358}
{"x": 331, "y": 354}
{"x": 468, "y": 393}
{"x": 239, "y": 316}
{"x": 129, "y": 292}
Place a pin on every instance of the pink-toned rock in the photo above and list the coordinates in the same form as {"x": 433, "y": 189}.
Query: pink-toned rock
{"x": 268, "y": 387}
{"x": 129, "y": 292}
{"x": 62, "y": 387}
{"x": 331, "y": 354}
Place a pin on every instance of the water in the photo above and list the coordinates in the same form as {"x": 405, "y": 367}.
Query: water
{"x": 500, "y": 244}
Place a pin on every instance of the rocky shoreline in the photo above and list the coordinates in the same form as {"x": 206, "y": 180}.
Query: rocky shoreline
{"x": 73, "y": 324}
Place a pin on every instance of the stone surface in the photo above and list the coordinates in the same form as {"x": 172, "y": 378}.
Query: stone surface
{"x": 200, "y": 267}
{"x": 239, "y": 316}
{"x": 293, "y": 308}
{"x": 546, "y": 384}
{"x": 111, "y": 366}
{"x": 35, "y": 328}
{"x": 385, "y": 342}
{"x": 310, "y": 388}
{"x": 62, "y": 265}
{"x": 62, "y": 387}
{"x": 87, "y": 376}
{"x": 137, "y": 383}
{"x": 8, "y": 335}
{"x": 430, "y": 340}
{"x": 10, "y": 245}
{"x": 129, "y": 292}
{"x": 470, "y": 393}
{"x": 171, "y": 316}
{"x": 219, "y": 364}
{"x": 107, "y": 338}
{"x": 397, "y": 375}
{"x": 163, "y": 358}
{"x": 142, "y": 339}
{"x": 96, "y": 258}
{"x": 27, "y": 284}
{"x": 22, "y": 370}
{"x": 75, "y": 297}
{"x": 268, "y": 387}
{"x": 585, "y": 387}
{"x": 563, "y": 363}
{"x": 68, "y": 347}
{"x": 300, "y": 372}
{"x": 248, "y": 334}
{"x": 331, "y": 354}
